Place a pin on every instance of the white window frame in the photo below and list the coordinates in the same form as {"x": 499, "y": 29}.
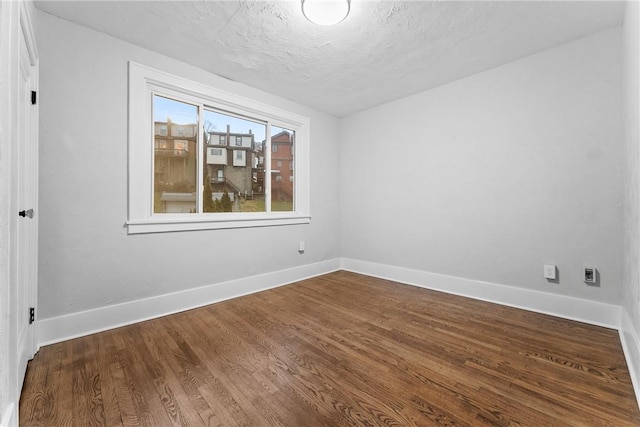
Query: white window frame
{"x": 143, "y": 83}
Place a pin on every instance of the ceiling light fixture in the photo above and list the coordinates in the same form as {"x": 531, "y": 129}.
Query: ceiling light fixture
{"x": 326, "y": 12}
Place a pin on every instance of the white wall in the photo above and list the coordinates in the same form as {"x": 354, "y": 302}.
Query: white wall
{"x": 87, "y": 260}
{"x": 492, "y": 176}
{"x": 631, "y": 186}
{"x": 631, "y": 190}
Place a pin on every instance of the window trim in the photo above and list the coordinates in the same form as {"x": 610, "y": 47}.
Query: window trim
{"x": 143, "y": 82}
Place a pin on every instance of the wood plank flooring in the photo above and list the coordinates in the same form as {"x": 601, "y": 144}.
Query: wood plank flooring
{"x": 339, "y": 349}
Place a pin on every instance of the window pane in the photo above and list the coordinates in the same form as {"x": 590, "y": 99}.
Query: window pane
{"x": 234, "y": 167}
{"x": 175, "y": 156}
{"x": 282, "y": 178}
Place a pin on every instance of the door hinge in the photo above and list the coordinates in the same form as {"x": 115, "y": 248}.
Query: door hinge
{"x": 32, "y": 315}
{"x": 33, "y": 97}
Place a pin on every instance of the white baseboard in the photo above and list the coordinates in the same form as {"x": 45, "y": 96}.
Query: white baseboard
{"x": 79, "y": 324}
{"x": 83, "y": 323}
{"x": 9, "y": 416}
{"x": 631, "y": 346}
{"x": 592, "y": 312}
{"x": 586, "y": 311}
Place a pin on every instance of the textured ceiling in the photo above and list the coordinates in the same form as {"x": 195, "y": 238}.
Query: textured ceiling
{"x": 384, "y": 50}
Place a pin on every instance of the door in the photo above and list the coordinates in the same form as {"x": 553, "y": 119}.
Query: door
{"x": 26, "y": 196}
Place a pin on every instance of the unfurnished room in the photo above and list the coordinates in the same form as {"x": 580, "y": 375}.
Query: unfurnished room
{"x": 319, "y": 213}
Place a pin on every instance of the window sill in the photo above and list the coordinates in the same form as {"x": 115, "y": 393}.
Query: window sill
{"x": 161, "y": 224}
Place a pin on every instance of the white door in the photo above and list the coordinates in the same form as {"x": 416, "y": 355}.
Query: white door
{"x": 27, "y": 187}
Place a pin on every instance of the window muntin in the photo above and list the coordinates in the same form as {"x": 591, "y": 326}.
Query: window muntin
{"x": 144, "y": 84}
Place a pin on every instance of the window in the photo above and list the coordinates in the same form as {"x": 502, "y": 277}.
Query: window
{"x": 239, "y": 159}
{"x": 279, "y": 164}
{"x": 180, "y": 145}
{"x": 216, "y": 156}
{"x": 179, "y": 182}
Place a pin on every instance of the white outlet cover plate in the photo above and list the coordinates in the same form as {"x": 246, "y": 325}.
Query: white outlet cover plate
{"x": 550, "y": 272}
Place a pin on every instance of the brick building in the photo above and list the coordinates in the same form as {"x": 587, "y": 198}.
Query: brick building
{"x": 282, "y": 167}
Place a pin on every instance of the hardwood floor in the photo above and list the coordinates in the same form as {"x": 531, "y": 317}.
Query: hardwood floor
{"x": 340, "y": 349}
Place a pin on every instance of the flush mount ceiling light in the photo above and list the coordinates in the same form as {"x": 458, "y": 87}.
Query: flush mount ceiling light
{"x": 326, "y": 12}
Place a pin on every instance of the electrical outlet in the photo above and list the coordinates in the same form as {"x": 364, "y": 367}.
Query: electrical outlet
{"x": 550, "y": 272}
{"x": 301, "y": 246}
{"x": 590, "y": 275}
